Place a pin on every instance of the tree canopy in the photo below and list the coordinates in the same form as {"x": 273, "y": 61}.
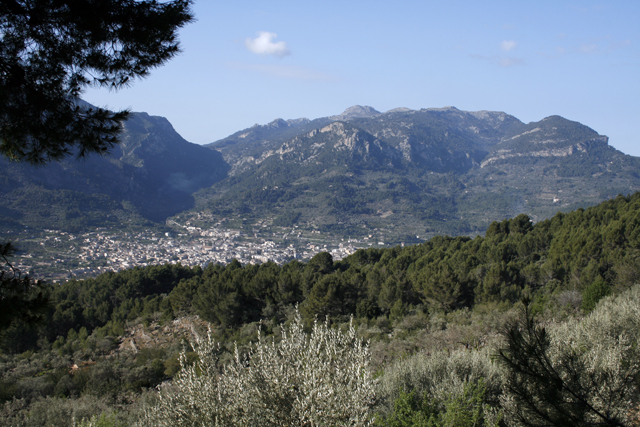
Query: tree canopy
{"x": 50, "y": 50}
{"x": 21, "y": 299}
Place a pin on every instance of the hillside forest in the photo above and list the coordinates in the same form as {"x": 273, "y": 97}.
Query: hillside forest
{"x": 530, "y": 324}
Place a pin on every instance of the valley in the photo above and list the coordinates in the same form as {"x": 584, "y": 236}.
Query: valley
{"x": 57, "y": 256}
{"x": 291, "y": 188}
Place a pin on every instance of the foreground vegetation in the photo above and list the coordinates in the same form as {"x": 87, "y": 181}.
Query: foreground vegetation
{"x": 450, "y": 342}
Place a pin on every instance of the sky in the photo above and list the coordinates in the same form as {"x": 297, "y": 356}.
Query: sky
{"x": 250, "y": 62}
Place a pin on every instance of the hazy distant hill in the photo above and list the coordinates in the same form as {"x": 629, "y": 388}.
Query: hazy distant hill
{"x": 403, "y": 173}
{"x": 149, "y": 177}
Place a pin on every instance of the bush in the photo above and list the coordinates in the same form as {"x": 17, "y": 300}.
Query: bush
{"x": 434, "y": 388}
{"x": 51, "y": 411}
{"x": 580, "y": 373}
{"x": 317, "y": 379}
{"x": 594, "y": 293}
{"x": 465, "y": 410}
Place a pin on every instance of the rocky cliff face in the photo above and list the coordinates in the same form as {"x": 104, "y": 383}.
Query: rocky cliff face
{"x": 436, "y": 139}
{"x": 439, "y": 139}
{"x": 551, "y": 137}
{"x": 438, "y": 169}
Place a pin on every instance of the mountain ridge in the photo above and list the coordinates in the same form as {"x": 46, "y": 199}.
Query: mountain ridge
{"x": 405, "y": 172}
{"x": 443, "y": 170}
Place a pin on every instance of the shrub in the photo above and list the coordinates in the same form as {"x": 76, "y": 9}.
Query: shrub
{"x": 465, "y": 410}
{"x": 52, "y": 411}
{"x": 317, "y": 379}
{"x": 441, "y": 389}
{"x": 441, "y": 376}
{"x": 580, "y": 373}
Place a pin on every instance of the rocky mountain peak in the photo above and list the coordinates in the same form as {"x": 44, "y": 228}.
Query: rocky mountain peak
{"x": 298, "y": 122}
{"x": 278, "y": 124}
{"x": 399, "y": 110}
{"x": 440, "y": 170}
{"x": 356, "y": 111}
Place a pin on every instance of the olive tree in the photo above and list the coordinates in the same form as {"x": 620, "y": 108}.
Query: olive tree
{"x": 315, "y": 379}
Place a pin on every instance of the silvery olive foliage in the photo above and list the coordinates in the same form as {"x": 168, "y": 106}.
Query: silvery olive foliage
{"x": 582, "y": 372}
{"x": 441, "y": 377}
{"x": 317, "y": 379}
{"x": 440, "y": 373}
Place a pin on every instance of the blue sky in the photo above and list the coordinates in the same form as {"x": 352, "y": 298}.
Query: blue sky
{"x": 247, "y": 62}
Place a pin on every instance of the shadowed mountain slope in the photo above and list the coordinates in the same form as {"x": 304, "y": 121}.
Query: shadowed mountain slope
{"x": 148, "y": 177}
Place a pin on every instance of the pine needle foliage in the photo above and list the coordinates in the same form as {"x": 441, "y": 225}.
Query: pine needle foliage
{"x": 51, "y": 50}
{"x": 581, "y": 373}
{"x": 22, "y": 299}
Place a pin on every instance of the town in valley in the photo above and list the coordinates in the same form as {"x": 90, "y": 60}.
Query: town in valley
{"x": 56, "y": 255}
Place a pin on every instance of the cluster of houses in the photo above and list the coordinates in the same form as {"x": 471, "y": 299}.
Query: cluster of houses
{"x": 89, "y": 254}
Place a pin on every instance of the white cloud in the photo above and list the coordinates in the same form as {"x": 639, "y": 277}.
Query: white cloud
{"x": 603, "y": 45}
{"x": 508, "y": 45}
{"x": 263, "y": 44}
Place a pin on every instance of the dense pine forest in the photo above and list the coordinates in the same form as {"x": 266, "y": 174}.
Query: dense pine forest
{"x": 479, "y": 309}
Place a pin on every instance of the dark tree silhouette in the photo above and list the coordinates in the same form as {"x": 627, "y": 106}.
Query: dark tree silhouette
{"x": 51, "y": 49}
{"x": 545, "y": 393}
{"x": 21, "y": 298}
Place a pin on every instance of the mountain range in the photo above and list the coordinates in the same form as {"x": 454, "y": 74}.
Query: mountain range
{"x": 404, "y": 172}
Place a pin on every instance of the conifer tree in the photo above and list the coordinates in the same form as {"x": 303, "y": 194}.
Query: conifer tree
{"x": 21, "y": 298}
{"x": 50, "y": 50}
{"x": 582, "y": 373}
